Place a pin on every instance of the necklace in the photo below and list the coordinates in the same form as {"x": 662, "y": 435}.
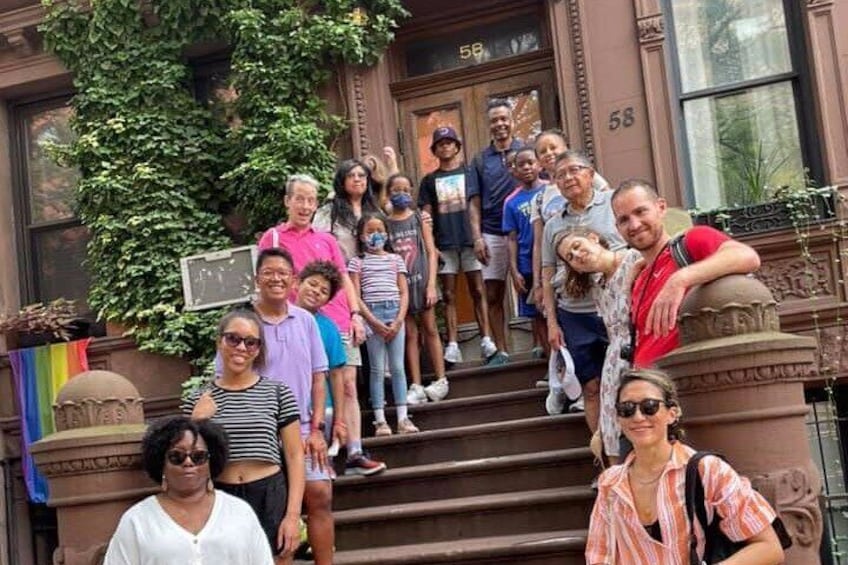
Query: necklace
{"x": 655, "y": 479}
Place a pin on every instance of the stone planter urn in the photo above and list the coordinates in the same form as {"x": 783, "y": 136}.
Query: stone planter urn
{"x": 93, "y": 462}
{"x": 741, "y": 385}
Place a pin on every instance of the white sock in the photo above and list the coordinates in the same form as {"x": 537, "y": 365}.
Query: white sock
{"x": 402, "y": 413}
{"x": 380, "y": 415}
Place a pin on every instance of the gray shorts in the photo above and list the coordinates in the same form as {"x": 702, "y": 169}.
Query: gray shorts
{"x": 354, "y": 356}
{"x": 313, "y": 473}
{"x": 454, "y": 259}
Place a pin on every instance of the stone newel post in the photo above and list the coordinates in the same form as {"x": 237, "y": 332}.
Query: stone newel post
{"x": 741, "y": 386}
{"x": 93, "y": 463}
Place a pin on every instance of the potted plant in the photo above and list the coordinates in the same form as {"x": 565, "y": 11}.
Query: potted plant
{"x": 38, "y": 324}
{"x": 785, "y": 207}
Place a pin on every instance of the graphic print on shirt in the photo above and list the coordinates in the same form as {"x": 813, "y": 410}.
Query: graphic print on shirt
{"x": 405, "y": 244}
{"x": 552, "y": 207}
{"x": 450, "y": 193}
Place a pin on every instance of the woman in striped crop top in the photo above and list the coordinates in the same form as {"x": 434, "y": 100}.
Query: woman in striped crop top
{"x": 259, "y": 416}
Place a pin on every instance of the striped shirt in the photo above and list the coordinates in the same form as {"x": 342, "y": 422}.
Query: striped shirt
{"x": 252, "y": 417}
{"x": 378, "y": 275}
{"x": 744, "y": 512}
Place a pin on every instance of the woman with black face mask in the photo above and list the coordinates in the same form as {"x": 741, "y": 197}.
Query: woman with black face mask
{"x": 411, "y": 234}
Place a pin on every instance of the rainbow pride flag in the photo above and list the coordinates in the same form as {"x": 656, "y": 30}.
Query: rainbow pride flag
{"x": 39, "y": 373}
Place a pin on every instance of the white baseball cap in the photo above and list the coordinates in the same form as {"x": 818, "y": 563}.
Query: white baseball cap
{"x": 561, "y": 374}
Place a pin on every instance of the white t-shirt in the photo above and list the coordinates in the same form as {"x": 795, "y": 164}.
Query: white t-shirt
{"x": 147, "y": 535}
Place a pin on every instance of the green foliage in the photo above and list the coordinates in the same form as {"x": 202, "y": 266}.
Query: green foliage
{"x": 156, "y": 166}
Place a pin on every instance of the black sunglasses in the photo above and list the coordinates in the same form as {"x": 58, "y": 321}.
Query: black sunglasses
{"x": 647, "y": 406}
{"x": 234, "y": 340}
{"x": 178, "y": 456}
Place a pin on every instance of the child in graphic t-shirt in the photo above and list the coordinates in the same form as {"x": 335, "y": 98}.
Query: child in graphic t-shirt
{"x": 411, "y": 234}
{"x": 443, "y": 194}
{"x": 516, "y": 224}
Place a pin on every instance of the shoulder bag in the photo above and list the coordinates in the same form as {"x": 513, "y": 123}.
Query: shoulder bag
{"x": 718, "y": 546}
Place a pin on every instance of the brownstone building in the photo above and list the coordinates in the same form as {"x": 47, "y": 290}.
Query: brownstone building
{"x": 712, "y": 100}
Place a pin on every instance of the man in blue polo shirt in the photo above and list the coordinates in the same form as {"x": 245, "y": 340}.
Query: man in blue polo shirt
{"x": 485, "y": 211}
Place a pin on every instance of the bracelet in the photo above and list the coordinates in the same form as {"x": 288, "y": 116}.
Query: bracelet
{"x": 355, "y": 313}
{"x": 340, "y": 424}
{"x": 319, "y": 427}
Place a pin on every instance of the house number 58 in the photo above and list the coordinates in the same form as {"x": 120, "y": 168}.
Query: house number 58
{"x": 621, "y": 118}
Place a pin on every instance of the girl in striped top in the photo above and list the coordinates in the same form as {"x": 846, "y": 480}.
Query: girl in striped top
{"x": 379, "y": 277}
{"x": 259, "y": 415}
{"x": 640, "y": 512}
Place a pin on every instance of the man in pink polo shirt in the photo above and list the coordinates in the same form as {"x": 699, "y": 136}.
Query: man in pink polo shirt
{"x": 306, "y": 245}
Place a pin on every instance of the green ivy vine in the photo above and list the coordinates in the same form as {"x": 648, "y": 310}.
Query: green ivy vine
{"x": 157, "y": 167}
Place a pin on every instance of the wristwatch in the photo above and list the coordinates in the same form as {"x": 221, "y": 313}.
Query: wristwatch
{"x": 321, "y": 427}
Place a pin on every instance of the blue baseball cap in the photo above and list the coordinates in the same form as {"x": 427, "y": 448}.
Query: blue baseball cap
{"x": 445, "y": 132}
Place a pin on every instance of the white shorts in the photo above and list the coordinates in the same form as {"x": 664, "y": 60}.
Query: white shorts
{"x": 454, "y": 259}
{"x": 498, "y": 266}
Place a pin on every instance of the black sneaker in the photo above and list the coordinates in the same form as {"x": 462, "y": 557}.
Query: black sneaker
{"x": 361, "y": 464}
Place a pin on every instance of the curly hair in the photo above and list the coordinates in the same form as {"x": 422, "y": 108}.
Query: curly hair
{"x": 576, "y": 284}
{"x": 165, "y": 432}
{"x": 663, "y": 382}
{"x": 326, "y": 269}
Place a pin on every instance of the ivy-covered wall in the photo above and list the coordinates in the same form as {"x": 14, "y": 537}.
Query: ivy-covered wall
{"x": 157, "y": 168}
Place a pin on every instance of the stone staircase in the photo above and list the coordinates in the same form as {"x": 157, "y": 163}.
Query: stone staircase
{"x": 490, "y": 479}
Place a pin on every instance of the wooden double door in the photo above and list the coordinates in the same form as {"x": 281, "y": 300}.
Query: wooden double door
{"x": 463, "y": 107}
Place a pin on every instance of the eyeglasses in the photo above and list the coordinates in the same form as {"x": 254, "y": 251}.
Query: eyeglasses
{"x": 647, "y": 406}
{"x": 272, "y": 275}
{"x": 178, "y": 456}
{"x": 251, "y": 344}
{"x": 569, "y": 171}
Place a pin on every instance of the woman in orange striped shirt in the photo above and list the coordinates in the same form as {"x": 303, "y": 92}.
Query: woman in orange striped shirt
{"x": 640, "y": 513}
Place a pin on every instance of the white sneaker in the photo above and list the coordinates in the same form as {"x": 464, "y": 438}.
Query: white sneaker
{"x": 452, "y": 353}
{"x": 488, "y": 347}
{"x": 577, "y": 406}
{"x": 437, "y": 390}
{"x": 416, "y": 395}
{"x": 555, "y": 402}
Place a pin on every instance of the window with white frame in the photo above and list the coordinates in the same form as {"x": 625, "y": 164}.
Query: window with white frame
{"x": 740, "y": 90}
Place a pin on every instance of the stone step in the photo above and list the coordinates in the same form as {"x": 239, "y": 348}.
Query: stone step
{"x": 564, "y": 547}
{"x": 439, "y": 481}
{"x": 499, "y": 514}
{"x": 454, "y": 412}
{"x": 476, "y": 381}
{"x": 529, "y": 435}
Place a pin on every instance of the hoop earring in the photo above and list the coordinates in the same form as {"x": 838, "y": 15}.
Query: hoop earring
{"x": 164, "y": 484}
{"x": 210, "y": 486}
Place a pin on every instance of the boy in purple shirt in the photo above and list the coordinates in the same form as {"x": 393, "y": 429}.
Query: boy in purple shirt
{"x": 294, "y": 354}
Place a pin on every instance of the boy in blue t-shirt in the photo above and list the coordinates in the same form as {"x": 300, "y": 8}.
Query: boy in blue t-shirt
{"x": 319, "y": 281}
{"x": 516, "y": 224}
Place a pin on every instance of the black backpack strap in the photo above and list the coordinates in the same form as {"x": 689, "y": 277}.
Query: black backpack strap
{"x": 695, "y": 504}
{"x": 678, "y": 250}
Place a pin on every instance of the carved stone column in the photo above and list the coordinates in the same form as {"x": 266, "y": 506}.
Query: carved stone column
{"x": 93, "y": 463}
{"x": 741, "y": 386}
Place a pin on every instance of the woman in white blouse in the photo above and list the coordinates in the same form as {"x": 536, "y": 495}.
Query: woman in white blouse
{"x": 188, "y": 521}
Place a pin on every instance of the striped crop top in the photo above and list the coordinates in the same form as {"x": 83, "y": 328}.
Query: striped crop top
{"x": 252, "y": 417}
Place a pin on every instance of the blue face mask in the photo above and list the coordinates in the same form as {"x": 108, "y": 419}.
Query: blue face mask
{"x": 376, "y": 241}
{"x": 400, "y": 200}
